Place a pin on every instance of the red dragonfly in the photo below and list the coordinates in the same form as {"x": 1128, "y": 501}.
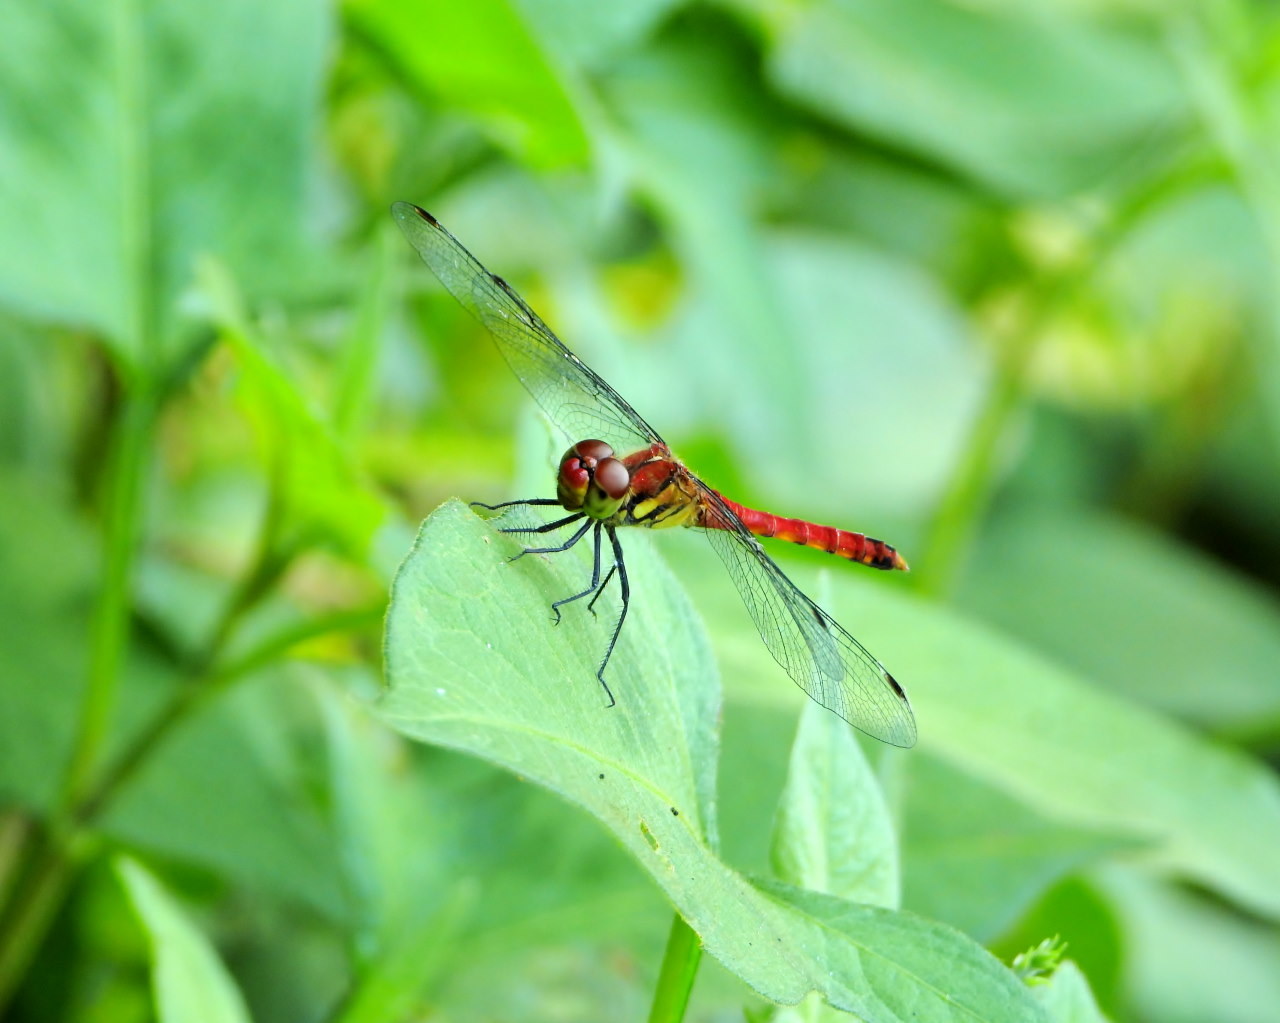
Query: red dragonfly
{"x": 619, "y": 472}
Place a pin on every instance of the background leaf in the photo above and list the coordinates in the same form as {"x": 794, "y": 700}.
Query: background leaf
{"x": 143, "y": 167}
{"x": 189, "y": 982}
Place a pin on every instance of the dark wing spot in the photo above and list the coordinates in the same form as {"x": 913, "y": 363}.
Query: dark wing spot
{"x": 893, "y": 682}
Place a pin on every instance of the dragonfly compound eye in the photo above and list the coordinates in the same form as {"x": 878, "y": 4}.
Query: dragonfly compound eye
{"x": 613, "y": 478}
{"x": 573, "y": 480}
{"x": 591, "y": 450}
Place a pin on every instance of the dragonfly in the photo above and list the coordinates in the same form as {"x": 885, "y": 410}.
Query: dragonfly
{"x": 619, "y": 472}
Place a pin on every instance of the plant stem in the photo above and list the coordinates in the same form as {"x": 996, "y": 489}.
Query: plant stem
{"x": 127, "y": 461}
{"x": 679, "y": 968}
{"x": 28, "y": 917}
{"x": 196, "y": 694}
{"x": 955, "y": 522}
{"x": 49, "y": 866}
{"x": 110, "y": 627}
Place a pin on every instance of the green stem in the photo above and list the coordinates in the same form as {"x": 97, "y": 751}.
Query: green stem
{"x": 269, "y": 564}
{"x": 29, "y": 916}
{"x": 961, "y": 508}
{"x": 127, "y": 461}
{"x": 110, "y": 626}
{"x": 679, "y": 968}
{"x": 955, "y": 523}
{"x": 195, "y": 695}
{"x": 15, "y": 833}
{"x": 50, "y": 866}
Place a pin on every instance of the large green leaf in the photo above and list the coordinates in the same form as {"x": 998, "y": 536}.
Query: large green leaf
{"x": 976, "y": 857}
{"x": 1137, "y": 613}
{"x": 1069, "y": 749}
{"x": 1029, "y": 104}
{"x": 189, "y": 981}
{"x": 473, "y": 663}
{"x": 133, "y": 136}
{"x": 1002, "y": 713}
{"x": 1188, "y": 957}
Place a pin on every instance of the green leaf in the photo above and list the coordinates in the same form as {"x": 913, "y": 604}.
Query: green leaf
{"x": 1003, "y": 714}
{"x": 248, "y": 755}
{"x": 1137, "y": 613}
{"x": 43, "y": 620}
{"x": 1007, "y": 716}
{"x": 189, "y": 982}
{"x": 592, "y": 34}
{"x": 321, "y": 491}
{"x": 1066, "y": 996}
{"x": 482, "y": 58}
{"x": 473, "y": 663}
{"x": 881, "y": 948}
{"x": 1189, "y": 958}
{"x": 1030, "y": 104}
{"x": 128, "y": 144}
{"x": 976, "y": 858}
{"x": 833, "y": 832}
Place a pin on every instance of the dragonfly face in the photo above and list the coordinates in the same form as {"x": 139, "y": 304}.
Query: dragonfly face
{"x": 591, "y": 480}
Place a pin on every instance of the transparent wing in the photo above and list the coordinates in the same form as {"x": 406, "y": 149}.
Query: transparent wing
{"x": 572, "y": 395}
{"x": 823, "y": 659}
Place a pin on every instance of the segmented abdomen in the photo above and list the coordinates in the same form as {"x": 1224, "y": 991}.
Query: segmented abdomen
{"x": 857, "y": 547}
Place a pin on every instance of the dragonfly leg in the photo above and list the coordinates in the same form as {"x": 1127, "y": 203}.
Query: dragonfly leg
{"x": 592, "y": 606}
{"x": 512, "y": 504}
{"x": 622, "y": 617}
{"x": 548, "y": 528}
{"x": 564, "y": 546}
{"x": 595, "y": 579}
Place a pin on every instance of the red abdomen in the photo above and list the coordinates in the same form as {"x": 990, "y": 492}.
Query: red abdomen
{"x": 855, "y": 546}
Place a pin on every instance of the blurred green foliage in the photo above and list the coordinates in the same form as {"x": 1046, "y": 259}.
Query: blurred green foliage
{"x": 996, "y": 281}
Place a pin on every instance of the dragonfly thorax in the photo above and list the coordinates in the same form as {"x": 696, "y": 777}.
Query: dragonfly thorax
{"x": 591, "y": 480}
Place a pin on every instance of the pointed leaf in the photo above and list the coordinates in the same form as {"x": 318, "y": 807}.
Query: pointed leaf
{"x": 833, "y": 832}
{"x": 189, "y": 981}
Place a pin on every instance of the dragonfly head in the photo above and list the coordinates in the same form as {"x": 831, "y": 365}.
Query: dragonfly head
{"x": 592, "y": 480}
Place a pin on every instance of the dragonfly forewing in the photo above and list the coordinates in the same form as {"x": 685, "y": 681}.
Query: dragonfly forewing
{"x": 577, "y": 400}
{"x": 825, "y": 661}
